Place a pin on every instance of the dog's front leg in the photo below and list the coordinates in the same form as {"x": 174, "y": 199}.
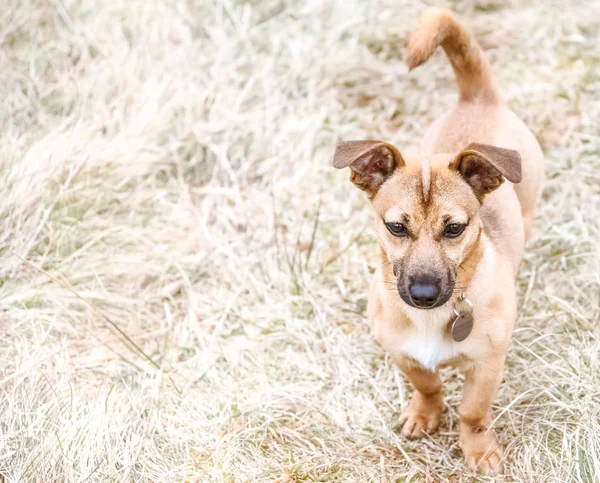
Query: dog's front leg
{"x": 477, "y": 440}
{"x": 423, "y": 413}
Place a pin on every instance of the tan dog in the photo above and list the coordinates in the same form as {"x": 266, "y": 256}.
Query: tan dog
{"x": 451, "y": 232}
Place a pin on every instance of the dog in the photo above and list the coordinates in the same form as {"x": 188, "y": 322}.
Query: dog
{"x": 451, "y": 221}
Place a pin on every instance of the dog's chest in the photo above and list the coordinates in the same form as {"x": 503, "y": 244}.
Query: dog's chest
{"x": 427, "y": 342}
{"x": 430, "y": 348}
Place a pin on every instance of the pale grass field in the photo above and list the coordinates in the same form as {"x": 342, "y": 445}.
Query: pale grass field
{"x": 183, "y": 275}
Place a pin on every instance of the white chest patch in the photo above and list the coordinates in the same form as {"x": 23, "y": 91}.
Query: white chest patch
{"x": 426, "y": 340}
{"x": 430, "y": 348}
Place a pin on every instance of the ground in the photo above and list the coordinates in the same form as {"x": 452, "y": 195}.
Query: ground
{"x": 183, "y": 275}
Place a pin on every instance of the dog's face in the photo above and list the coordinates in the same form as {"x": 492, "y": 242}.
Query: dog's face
{"x": 427, "y": 222}
{"x": 427, "y": 212}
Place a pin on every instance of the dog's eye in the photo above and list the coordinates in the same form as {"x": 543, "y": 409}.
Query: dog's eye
{"x": 454, "y": 230}
{"x": 396, "y": 229}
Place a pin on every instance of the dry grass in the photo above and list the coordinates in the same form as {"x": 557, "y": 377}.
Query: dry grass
{"x": 183, "y": 276}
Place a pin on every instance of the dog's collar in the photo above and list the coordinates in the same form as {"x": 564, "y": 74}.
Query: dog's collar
{"x": 461, "y": 324}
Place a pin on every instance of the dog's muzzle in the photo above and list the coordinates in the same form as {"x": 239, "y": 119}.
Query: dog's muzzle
{"x": 425, "y": 292}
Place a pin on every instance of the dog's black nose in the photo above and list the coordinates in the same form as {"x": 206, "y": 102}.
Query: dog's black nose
{"x": 424, "y": 293}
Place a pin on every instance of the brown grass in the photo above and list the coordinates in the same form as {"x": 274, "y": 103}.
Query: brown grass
{"x": 183, "y": 275}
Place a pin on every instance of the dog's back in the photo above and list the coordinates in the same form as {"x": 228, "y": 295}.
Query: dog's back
{"x": 480, "y": 114}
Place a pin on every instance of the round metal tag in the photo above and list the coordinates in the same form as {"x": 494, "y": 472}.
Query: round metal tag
{"x": 463, "y": 323}
{"x": 462, "y": 327}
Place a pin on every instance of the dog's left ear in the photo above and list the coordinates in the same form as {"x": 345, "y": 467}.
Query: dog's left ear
{"x": 484, "y": 167}
{"x": 371, "y": 162}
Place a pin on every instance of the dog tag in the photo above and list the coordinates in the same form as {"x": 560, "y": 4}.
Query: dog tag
{"x": 462, "y": 326}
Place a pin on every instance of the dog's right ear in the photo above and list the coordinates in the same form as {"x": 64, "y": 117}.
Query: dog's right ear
{"x": 371, "y": 162}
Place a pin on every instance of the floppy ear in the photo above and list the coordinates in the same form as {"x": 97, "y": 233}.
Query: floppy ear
{"x": 484, "y": 167}
{"x": 371, "y": 162}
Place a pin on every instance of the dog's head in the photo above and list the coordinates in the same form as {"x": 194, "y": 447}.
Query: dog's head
{"x": 428, "y": 211}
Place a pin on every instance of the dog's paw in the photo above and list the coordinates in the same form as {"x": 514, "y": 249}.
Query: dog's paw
{"x": 482, "y": 453}
{"x": 486, "y": 462}
{"x": 422, "y": 416}
{"x": 417, "y": 425}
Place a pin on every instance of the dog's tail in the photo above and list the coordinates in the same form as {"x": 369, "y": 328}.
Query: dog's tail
{"x": 473, "y": 73}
